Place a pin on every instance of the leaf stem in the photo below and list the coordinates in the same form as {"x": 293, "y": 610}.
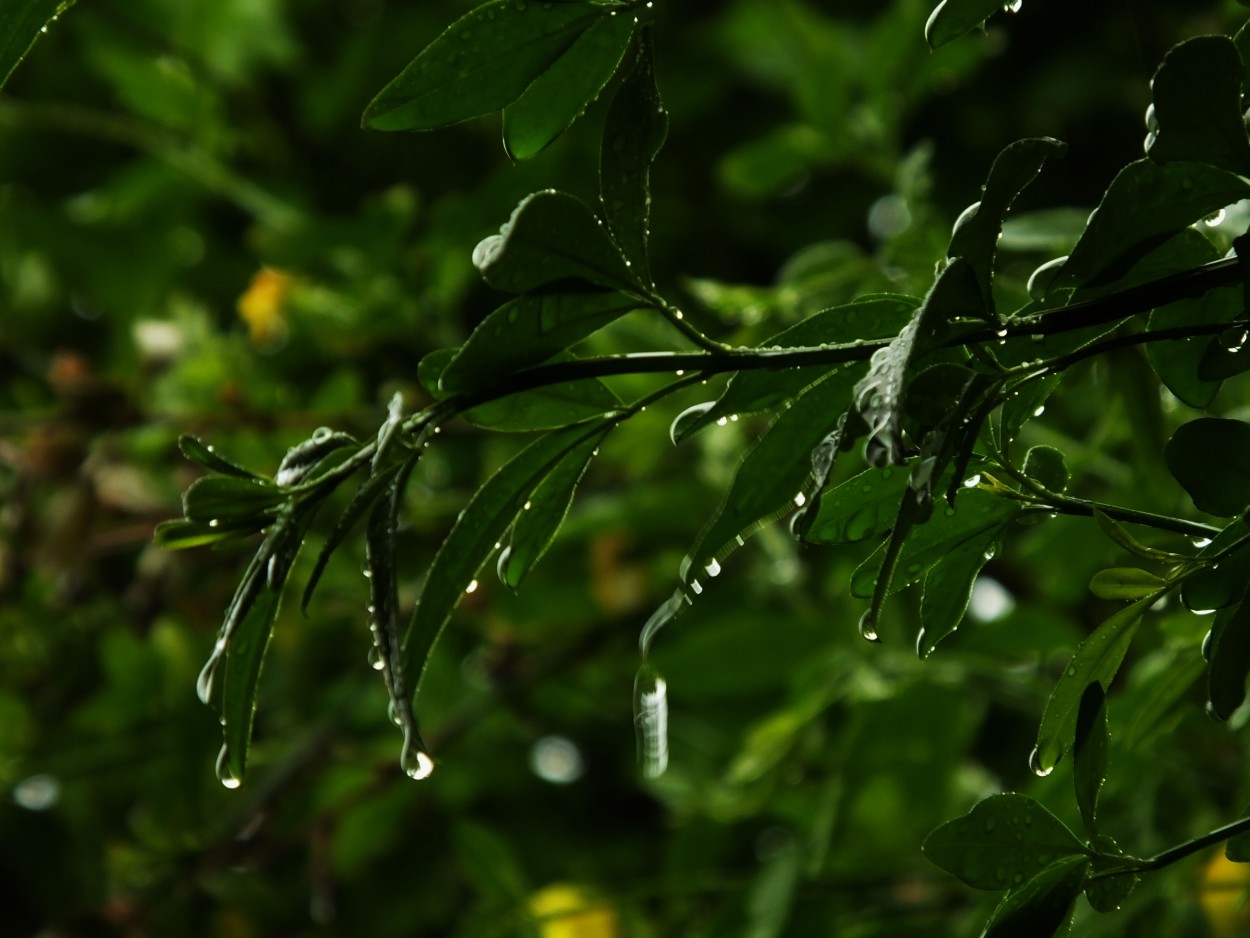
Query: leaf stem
{"x": 1179, "y": 852}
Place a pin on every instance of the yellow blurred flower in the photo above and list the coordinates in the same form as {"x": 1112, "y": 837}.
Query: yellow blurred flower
{"x": 261, "y": 305}
{"x": 1223, "y": 894}
{"x": 566, "y": 910}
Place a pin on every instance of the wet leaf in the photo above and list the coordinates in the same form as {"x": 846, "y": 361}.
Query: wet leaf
{"x": 203, "y": 454}
{"x": 948, "y": 587}
{"x": 633, "y": 133}
{"x": 482, "y": 62}
{"x": 229, "y": 500}
{"x": 860, "y": 508}
{"x": 21, "y": 23}
{"x": 976, "y": 233}
{"x": 1221, "y": 584}
{"x": 1002, "y": 842}
{"x": 559, "y": 95}
{"x": 480, "y": 526}
{"x": 552, "y": 236}
{"x": 1045, "y": 466}
{"x": 1098, "y": 658}
{"x": 1229, "y": 658}
{"x": 951, "y": 19}
{"x": 179, "y": 534}
{"x": 1197, "y": 106}
{"x": 1117, "y": 532}
{"x": 1125, "y": 583}
{"x": 1089, "y": 753}
{"x": 1042, "y": 906}
{"x": 1210, "y": 458}
{"x": 536, "y": 526}
{"x": 529, "y": 330}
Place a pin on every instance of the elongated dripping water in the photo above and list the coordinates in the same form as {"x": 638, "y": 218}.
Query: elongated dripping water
{"x": 415, "y": 761}
{"x": 208, "y": 676}
{"x": 712, "y": 568}
{"x": 224, "y": 773}
{"x": 868, "y": 627}
{"x": 651, "y": 721}
{"x": 376, "y": 660}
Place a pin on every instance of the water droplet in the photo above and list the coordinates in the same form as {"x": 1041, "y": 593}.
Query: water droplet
{"x": 800, "y": 500}
{"x": 696, "y": 587}
{"x": 686, "y": 419}
{"x": 1207, "y": 641}
{"x": 501, "y": 567}
{"x": 415, "y": 761}
{"x": 1232, "y": 340}
{"x": 1215, "y": 219}
{"x": 651, "y": 721}
{"x": 722, "y": 421}
{"x": 1012, "y": 6}
{"x": 712, "y": 568}
{"x": 1039, "y": 410}
{"x": 473, "y": 583}
{"x": 376, "y": 661}
{"x": 1035, "y": 764}
{"x": 868, "y": 627}
{"x": 1201, "y": 542}
{"x": 225, "y": 774}
{"x": 214, "y": 523}
{"x": 679, "y": 372}
{"x": 527, "y": 506}
{"x": 972, "y": 481}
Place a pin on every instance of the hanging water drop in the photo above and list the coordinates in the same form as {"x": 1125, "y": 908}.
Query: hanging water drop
{"x": 501, "y": 566}
{"x": 1012, "y": 6}
{"x": 473, "y": 584}
{"x": 376, "y": 661}
{"x": 415, "y": 762}
{"x": 800, "y": 500}
{"x": 224, "y": 773}
{"x": 712, "y": 568}
{"x": 1035, "y": 764}
{"x": 868, "y": 627}
{"x": 651, "y": 721}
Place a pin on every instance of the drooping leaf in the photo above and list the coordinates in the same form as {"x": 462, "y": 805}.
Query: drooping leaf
{"x": 559, "y": 95}
{"x": 1098, "y": 659}
{"x": 633, "y": 133}
{"x": 229, "y": 500}
{"x": 1042, "y": 906}
{"x": 527, "y": 331}
{"x": 1117, "y": 533}
{"x": 1045, "y": 466}
{"x": 948, "y": 587}
{"x": 1229, "y": 660}
{"x": 1210, "y": 458}
{"x": 1125, "y": 583}
{"x": 1145, "y": 205}
{"x": 21, "y": 23}
{"x": 1002, "y": 842}
{"x": 481, "y": 63}
{"x": 951, "y": 19}
{"x": 203, "y": 454}
{"x": 859, "y": 508}
{"x": 1197, "y": 107}
{"x": 975, "y": 514}
{"x": 180, "y": 534}
{"x": 543, "y": 513}
{"x": 1089, "y": 753}
{"x": 480, "y": 526}
{"x": 976, "y": 233}
{"x": 1221, "y": 584}
{"x": 879, "y": 394}
{"x": 552, "y": 236}
{"x": 771, "y": 473}
{"x": 1110, "y": 892}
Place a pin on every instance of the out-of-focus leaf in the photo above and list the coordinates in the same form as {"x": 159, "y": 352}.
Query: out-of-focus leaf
{"x": 480, "y": 526}
{"x": 1229, "y": 657}
{"x": 1048, "y": 231}
{"x": 1125, "y": 583}
{"x": 633, "y": 133}
{"x": 1097, "y": 659}
{"x": 482, "y": 62}
{"x": 978, "y": 229}
{"x": 230, "y": 500}
{"x": 1210, "y": 458}
{"x": 1002, "y": 842}
{"x": 206, "y": 455}
{"x": 1146, "y": 204}
{"x": 771, "y": 895}
{"x": 1042, "y": 906}
{"x": 770, "y": 475}
{"x": 21, "y": 23}
{"x": 975, "y": 514}
{"x": 559, "y": 95}
{"x": 951, "y": 19}
{"x": 1089, "y": 753}
{"x": 552, "y": 236}
{"x": 948, "y": 587}
{"x": 1238, "y": 848}
{"x": 527, "y": 331}
{"x": 860, "y": 508}
{"x": 543, "y": 513}
{"x": 1197, "y": 107}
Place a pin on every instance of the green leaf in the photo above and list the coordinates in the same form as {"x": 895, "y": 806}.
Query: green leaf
{"x": 975, "y": 514}
{"x": 482, "y": 62}
{"x": 1238, "y": 848}
{"x": 307, "y": 460}
{"x": 1002, "y": 842}
{"x": 880, "y": 316}
{"x": 1051, "y": 231}
{"x": 1229, "y": 657}
{"x": 1089, "y": 753}
{"x": 544, "y": 512}
{"x": 1098, "y": 658}
{"x": 1116, "y": 531}
{"x": 1197, "y": 107}
{"x": 770, "y": 475}
{"x": 527, "y": 331}
{"x": 860, "y": 508}
{"x": 1045, "y": 466}
{"x": 976, "y": 233}
{"x": 179, "y": 535}
{"x": 1124, "y": 583}
{"x": 552, "y": 236}
{"x": 1145, "y": 205}
{"x": 633, "y": 133}
{"x": 1222, "y": 358}
{"x": 21, "y": 23}
{"x": 1221, "y": 584}
{"x": 1110, "y": 892}
{"x": 559, "y": 95}
{"x": 201, "y": 453}
{"x": 1210, "y": 458}
{"x": 1042, "y": 906}
{"x": 951, "y": 19}
{"x": 477, "y": 530}
{"x": 770, "y": 896}
{"x": 228, "y": 500}
{"x": 947, "y": 589}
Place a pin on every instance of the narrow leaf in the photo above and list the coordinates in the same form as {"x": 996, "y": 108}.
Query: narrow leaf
{"x": 179, "y": 535}
{"x": 203, "y": 454}
{"x": 552, "y": 236}
{"x": 1002, "y": 842}
{"x": 229, "y": 500}
{"x": 1089, "y": 753}
{"x": 1210, "y": 458}
{"x": 951, "y": 19}
{"x": 947, "y": 589}
{"x": 1098, "y": 658}
{"x": 1229, "y": 657}
{"x": 1117, "y": 532}
{"x": 1125, "y": 583}
{"x": 482, "y": 62}
{"x": 559, "y": 95}
{"x": 21, "y": 23}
